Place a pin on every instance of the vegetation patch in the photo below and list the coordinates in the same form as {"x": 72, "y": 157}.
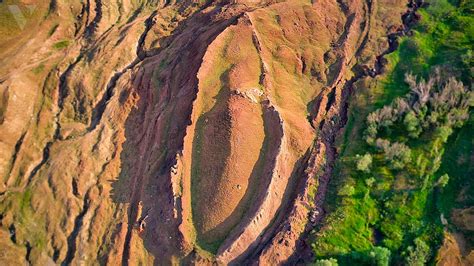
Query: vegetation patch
{"x": 40, "y": 68}
{"x": 61, "y": 45}
{"x": 383, "y": 208}
{"x": 53, "y": 29}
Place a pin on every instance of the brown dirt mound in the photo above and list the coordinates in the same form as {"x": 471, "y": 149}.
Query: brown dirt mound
{"x": 225, "y": 180}
{"x": 228, "y": 136}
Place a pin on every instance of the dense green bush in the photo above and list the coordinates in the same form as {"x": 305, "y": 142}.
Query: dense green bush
{"x": 346, "y": 190}
{"x": 412, "y": 124}
{"x": 380, "y": 256}
{"x": 328, "y": 262}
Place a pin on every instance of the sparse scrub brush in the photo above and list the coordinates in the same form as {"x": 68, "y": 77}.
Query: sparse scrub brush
{"x": 420, "y": 89}
{"x": 419, "y": 254}
{"x": 382, "y": 144}
{"x": 401, "y": 106}
{"x": 438, "y": 102}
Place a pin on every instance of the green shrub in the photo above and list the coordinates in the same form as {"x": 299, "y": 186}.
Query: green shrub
{"x": 346, "y": 190}
{"x": 419, "y": 254}
{"x": 443, "y": 133}
{"x": 380, "y": 256}
{"x": 61, "y": 45}
{"x": 443, "y": 180}
{"x": 327, "y": 262}
{"x": 364, "y": 163}
{"x": 398, "y": 155}
{"x": 412, "y": 124}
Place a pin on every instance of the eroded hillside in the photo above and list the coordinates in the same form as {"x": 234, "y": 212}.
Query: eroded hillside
{"x": 165, "y": 132}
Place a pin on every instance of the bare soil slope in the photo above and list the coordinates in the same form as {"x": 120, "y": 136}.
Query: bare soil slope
{"x": 164, "y": 132}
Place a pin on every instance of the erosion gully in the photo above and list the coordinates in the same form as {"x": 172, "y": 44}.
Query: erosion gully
{"x": 327, "y": 136}
{"x": 97, "y": 111}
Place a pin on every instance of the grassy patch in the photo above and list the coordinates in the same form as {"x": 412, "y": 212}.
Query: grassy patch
{"x": 61, "y": 45}
{"x": 400, "y": 206}
{"x": 459, "y": 164}
{"x": 27, "y": 226}
{"x": 37, "y": 70}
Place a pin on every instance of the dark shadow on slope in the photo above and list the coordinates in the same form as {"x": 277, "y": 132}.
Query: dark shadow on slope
{"x": 155, "y": 133}
{"x": 211, "y": 150}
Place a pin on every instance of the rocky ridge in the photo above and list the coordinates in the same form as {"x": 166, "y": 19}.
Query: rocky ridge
{"x": 108, "y": 138}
